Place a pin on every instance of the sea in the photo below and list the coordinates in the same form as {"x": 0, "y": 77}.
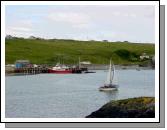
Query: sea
{"x": 71, "y": 95}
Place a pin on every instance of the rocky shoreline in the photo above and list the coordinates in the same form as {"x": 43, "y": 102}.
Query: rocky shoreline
{"x": 141, "y": 107}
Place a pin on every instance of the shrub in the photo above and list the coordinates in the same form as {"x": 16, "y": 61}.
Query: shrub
{"x": 127, "y": 55}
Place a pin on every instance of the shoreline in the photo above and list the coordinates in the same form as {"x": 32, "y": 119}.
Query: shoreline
{"x": 118, "y": 67}
{"x": 10, "y": 70}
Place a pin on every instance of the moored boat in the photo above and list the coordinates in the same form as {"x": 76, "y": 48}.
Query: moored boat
{"x": 60, "y": 69}
{"x": 109, "y": 86}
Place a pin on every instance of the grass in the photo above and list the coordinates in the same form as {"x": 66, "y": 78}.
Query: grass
{"x": 41, "y": 51}
{"x": 132, "y": 103}
{"x": 141, "y": 107}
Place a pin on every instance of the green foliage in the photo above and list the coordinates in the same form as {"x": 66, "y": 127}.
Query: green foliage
{"x": 127, "y": 55}
{"x": 141, "y": 107}
{"x": 42, "y": 51}
{"x": 124, "y": 54}
{"x": 133, "y": 103}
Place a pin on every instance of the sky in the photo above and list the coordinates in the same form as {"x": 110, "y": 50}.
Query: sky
{"x": 133, "y": 23}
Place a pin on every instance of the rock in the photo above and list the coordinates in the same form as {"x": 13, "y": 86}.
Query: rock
{"x": 141, "y": 107}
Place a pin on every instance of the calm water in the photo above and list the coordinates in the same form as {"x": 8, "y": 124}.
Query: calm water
{"x": 71, "y": 95}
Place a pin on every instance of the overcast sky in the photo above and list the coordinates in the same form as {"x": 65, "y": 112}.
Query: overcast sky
{"x": 134, "y": 23}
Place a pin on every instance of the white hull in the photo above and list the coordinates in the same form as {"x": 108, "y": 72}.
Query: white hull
{"x": 107, "y": 89}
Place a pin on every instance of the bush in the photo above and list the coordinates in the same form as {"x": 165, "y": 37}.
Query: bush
{"x": 127, "y": 55}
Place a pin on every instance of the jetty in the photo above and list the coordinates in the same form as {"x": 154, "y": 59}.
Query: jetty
{"x": 31, "y": 70}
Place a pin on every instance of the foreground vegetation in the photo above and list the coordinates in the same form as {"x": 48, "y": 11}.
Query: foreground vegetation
{"x": 142, "y": 107}
{"x": 40, "y": 51}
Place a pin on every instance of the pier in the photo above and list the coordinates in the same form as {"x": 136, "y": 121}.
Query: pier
{"x": 31, "y": 70}
{"x": 38, "y": 70}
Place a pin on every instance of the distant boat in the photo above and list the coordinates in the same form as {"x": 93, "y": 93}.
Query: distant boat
{"x": 60, "y": 69}
{"x": 109, "y": 86}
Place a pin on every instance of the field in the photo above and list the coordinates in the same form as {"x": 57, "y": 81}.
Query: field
{"x": 40, "y": 51}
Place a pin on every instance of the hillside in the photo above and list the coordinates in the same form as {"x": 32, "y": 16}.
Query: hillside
{"x": 142, "y": 107}
{"x": 42, "y": 51}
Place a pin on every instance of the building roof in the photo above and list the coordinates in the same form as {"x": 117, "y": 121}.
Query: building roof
{"x": 23, "y": 61}
{"x": 85, "y": 62}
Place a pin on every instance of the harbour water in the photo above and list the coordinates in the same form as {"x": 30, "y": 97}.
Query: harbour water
{"x": 70, "y": 95}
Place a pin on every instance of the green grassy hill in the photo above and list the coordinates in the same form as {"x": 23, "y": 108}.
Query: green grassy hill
{"x": 41, "y": 51}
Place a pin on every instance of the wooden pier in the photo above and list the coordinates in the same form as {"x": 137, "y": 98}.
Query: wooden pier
{"x": 31, "y": 70}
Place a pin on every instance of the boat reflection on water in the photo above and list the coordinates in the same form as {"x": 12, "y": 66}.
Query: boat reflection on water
{"x": 112, "y": 95}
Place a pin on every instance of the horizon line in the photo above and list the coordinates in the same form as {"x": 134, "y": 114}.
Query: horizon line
{"x": 104, "y": 40}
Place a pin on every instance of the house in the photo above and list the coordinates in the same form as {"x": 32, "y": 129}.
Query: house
{"x": 22, "y": 63}
{"x": 35, "y": 65}
{"x": 144, "y": 56}
{"x": 85, "y": 63}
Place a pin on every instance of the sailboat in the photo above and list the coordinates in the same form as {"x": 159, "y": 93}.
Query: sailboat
{"x": 109, "y": 86}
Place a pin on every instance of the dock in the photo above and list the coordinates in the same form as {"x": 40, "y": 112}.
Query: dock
{"x": 31, "y": 70}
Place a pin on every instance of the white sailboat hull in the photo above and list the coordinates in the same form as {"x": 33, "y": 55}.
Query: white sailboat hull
{"x": 109, "y": 88}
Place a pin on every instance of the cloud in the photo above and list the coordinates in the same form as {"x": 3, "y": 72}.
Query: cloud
{"x": 81, "y": 26}
{"x": 84, "y": 22}
{"x": 20, "y": 28}
{"x": 70, "y": 17}
{"x": 17, "y": 31}
{"x": 124, "y": 14}
{"x": 116, "y": 13}
{"x": 77, "y": 20}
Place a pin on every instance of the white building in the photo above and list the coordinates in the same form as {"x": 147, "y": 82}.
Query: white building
{"x": 85, "y": 63}
{"x": 144, "y": 56}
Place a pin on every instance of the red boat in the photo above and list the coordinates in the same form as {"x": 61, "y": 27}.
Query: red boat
{"x": 60, "y": 70}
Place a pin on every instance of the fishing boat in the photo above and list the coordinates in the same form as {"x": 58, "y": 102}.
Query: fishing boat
{"x": 109, "y": 85}
{"x": 60, "y": 69}
{"x": 63, "y": 69}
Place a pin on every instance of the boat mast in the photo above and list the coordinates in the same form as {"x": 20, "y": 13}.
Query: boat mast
{"x": 110, "y": 80}
{"x": 79, "y": 63}
{"x": 110, "y": 75}
{"x": 113, "y": 72}
{"x": 113, "y": 69}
